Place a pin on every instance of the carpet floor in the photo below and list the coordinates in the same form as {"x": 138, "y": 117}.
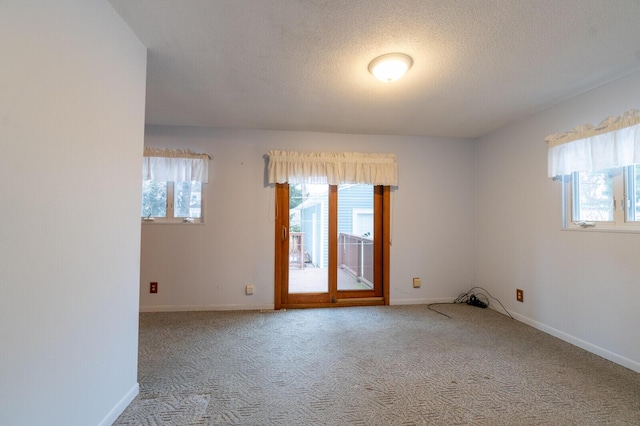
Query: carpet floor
{"x": 387, "y": 365}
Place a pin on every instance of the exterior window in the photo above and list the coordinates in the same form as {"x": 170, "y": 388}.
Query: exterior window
{"x": 632, "y": 188}
{"x": 605, "y": 199}
{"x": 187, "y": 199}
{"x": 172, "y": 201}
{"x": 599, "y": 166}
{"x": 363, "y": 222}
{"x": 593, "y": 196}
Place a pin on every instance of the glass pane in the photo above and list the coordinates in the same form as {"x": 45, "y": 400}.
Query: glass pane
{"x": 355, "y": 237}
{"x": 154, "y": 199}
{"x": 187, "y": 199}
{"x": 593, "y": 196}
{"x": 308, "y": 245}
{"x": 632, "y": 182}
{"x": 635, "y": 202}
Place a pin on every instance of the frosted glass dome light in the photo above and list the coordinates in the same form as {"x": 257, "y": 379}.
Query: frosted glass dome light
{"x": 390, "y": 67}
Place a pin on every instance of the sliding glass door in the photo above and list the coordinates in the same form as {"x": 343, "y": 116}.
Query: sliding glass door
{"x": 329, "y": 245}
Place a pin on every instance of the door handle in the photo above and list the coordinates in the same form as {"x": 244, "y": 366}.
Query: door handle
{"x": 284, "y": 233}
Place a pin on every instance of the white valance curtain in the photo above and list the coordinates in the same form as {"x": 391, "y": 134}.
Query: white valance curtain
{"x": 615, "y": 142}
{"x": 175, "y": 165}
{"x": 332, "y": 168}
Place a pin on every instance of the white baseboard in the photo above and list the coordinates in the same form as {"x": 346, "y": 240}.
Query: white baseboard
{"x": 188, "y": 308}
{"x": 120, "y": 406}
{"x": 604, "y": 353}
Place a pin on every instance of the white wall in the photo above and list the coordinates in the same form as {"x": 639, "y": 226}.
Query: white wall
{"x": 582, "y": 287}
{"x": 72, "y": 84}
{"x": 207, "y": 266}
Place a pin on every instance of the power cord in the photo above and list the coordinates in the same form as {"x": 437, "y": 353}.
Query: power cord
{"x": 471, "y": 298}
{"x": 429, "y": 306}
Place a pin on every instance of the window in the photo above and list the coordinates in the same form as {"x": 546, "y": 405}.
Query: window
{"x": 173, "y": 185}
{"x": 607, "y": 198}
{"x": 171, "y": 200}
{"x": 632, "y": 189}
{"x": 592, "y": 194}
{"x": 600, "y": 166}
{"x": 363, "y": 222}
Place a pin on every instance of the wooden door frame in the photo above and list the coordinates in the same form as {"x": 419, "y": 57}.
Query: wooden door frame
{"x": 281, "y": 265}
{"x": 382, "y": 196}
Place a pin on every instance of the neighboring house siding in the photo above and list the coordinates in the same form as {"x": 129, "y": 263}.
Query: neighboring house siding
{"x": 350, "y": 198}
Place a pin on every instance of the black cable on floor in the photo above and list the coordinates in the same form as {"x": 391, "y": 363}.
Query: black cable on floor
{"x": 470, "y": 293}
{"x": 464, "y": 298}
{"x": 429, "y": 306}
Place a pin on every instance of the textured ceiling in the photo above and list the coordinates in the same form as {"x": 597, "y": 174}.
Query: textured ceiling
{"x": 302, "y": 64}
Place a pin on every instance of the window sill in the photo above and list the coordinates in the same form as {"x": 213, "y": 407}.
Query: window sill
{"x": 619, "y": 230}
{"x": 160, "y": 222}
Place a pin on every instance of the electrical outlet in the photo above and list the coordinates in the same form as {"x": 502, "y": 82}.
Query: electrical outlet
{"x": 416, "y": 283}
{"x": 519, "y": 295}
{"x": 153, "y": 287}
{"x": 248, "y": 290}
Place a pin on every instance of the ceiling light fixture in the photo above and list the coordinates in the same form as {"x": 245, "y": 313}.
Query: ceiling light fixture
{"x": 390, "y": 67}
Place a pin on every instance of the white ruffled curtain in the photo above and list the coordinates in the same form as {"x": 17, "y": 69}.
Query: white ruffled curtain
{"x": 332, "y": 168}
{"x": 175, "y": 165}
{"x": 615, "y": 142}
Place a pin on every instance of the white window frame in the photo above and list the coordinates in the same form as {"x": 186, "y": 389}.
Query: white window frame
{"x": 621, "y": 186}
{"x": 169, "y": 218}
{"x": 355, "y": 218}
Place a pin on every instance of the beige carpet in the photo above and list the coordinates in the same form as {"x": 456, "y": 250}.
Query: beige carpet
{"x": 395, "y": 365}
